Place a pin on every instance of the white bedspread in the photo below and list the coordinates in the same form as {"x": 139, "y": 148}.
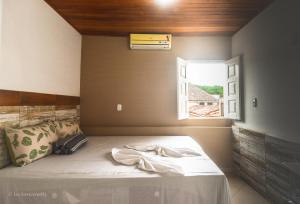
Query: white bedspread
{"x": 90, "y": 176}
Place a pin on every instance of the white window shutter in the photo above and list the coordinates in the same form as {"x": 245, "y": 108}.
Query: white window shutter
{"x": 182, "y": 90}
{"x": 232, "y": 95}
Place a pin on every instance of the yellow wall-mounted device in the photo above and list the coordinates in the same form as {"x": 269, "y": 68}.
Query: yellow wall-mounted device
{"x": 150, "y": 41}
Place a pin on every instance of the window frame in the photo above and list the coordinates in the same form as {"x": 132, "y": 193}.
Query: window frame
{"x": 203, "y": 61}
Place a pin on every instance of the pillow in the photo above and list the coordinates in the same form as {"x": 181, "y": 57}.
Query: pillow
{"x": 69, "y": 144}
{"x": 66, "y": 128}
{"x": 4, "y": 156}
{"x": 28, "y": 144}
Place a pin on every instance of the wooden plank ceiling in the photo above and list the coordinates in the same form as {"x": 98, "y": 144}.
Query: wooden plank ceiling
{"x": 182, "y": 17}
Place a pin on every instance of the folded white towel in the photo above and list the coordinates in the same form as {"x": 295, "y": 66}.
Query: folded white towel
{"x": 145, "y": 162}
{"x": 166, "y": 151}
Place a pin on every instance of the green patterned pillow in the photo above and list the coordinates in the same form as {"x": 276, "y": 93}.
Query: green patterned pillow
{"x": 28, "y": 144}
{"x": 65, "y": 128}
{"x": 4, "y": 156}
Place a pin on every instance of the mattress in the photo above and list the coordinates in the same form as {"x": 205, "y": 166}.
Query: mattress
{"x": 91, "y": 176}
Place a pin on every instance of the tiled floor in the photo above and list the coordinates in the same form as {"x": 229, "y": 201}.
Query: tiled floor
{"x": 242, "y": 193}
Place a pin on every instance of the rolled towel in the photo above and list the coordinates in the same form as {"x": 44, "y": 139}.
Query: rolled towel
{"x": 145, "y": 162}
{"x": 166, "y": 151}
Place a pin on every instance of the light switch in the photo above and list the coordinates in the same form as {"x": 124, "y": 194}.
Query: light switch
{"x": 119, "y": 107}
{"x": 254, "y": 102}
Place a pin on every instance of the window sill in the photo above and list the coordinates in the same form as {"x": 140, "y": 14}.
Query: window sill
{"x": 209, "y": 118}
{"x": 213, "y": 122}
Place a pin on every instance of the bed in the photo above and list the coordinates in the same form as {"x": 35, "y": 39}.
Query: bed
{"x": 91, "y": 176}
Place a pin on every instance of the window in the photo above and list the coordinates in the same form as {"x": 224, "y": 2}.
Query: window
{"x": 208, "y": 89}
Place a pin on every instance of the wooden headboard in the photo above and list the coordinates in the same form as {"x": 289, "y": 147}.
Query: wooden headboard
{"x": 19, "y": 108}
{"x": 20, "y": 98}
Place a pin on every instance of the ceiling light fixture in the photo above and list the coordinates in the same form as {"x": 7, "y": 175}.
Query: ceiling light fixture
{"x": 164, "y": 3}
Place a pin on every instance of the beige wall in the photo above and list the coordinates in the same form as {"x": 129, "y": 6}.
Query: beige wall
{"x": 41, "y": 51}
{"x": 1, "y": 14}
{"x": 270, "y": 45}
{"x": 145, "y": 83}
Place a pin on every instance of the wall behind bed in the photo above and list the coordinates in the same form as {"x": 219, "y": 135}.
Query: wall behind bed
{"x": 144, "y": 82}
{"x": 40, "y": 51}
{"x": 1, "y": 14}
